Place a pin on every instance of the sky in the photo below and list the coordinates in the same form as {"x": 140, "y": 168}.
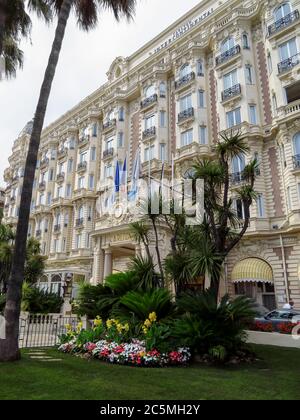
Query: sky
{"x": 84, "y": 62}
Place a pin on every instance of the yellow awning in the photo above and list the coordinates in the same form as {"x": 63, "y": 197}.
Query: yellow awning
{"x": 252, "y": 270}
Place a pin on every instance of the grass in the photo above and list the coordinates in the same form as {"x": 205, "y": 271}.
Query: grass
{"x": 275, "y": 377}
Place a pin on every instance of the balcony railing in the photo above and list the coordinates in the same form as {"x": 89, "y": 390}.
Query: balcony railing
{"x": 296, "y": 161}
{"x": 149, "y": 101}
{"x": 185, "y": 115}
{"x": 150, "y": 132}
{"x": 57, "y": 228}
{"x": 79, "y": 222}
{"x": 82, "y": 167}
{"x": 60, "y": 177}
{"x": 109, "y": 153}
{"x": 84, "y": 139}
{"x": 185, "y": 80}
{"x": 227, "y": 55}
{"x": 110, "y": 124}
{"x": 231, "y": 92}
{"x": 289, "y": 63}
{"x": 237, "y": 178}
{"x": 283, "y": 22}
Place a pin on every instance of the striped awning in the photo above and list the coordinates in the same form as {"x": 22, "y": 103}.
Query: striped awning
{"x": 252, "y": 270}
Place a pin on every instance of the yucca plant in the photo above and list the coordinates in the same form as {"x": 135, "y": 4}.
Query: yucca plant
{"x": 143, "y": 270}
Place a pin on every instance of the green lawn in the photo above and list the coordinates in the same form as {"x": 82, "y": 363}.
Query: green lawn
{"x": 277, "y": 376}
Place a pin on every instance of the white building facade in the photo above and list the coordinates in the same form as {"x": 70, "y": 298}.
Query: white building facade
{"x": 224, "y": 65}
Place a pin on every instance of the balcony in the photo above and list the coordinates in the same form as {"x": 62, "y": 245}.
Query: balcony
{"x": 296, "y": 162}
{"x": 149, "y": 101}
{"x": 232, "y": 92}
{"x": 186, "y": 115}
{"x": 228, "y": 55}
{"x": 283, "y": 22}
{"x": 149, "y": 133}
{"x": 79, "y": 222}
{"x": 289, "y": 64}
{"x": 237, "y": 178}
{"x": 109, "y": 153}
{"x": 82, "y": 167}
{"x": 62, "y": 153}
{"x": 109, "y": 125}
{"x": 185, "y": 80}
{"x": 44, "y": 163}
{"x": 42, "y": 186}
{"x": 60, "y": 177}
{"x": 57, "y": 228}
{"x": 83, "y": 140}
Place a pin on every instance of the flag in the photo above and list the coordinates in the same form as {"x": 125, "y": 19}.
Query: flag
{"x": 124, "y": 174}
{"x": 117, "y": 178}
{"x": 136, "y": 172}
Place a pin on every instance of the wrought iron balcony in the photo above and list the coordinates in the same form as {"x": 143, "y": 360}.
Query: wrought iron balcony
{"x": 185, "y": 80}
{"x": 149, "y": 101}
{"x": 227, "y": 55}
{"x": 82, "y": 167}
{"x": 296, "y": 161}
{"x": 42, "y": 186}
{"x": 60, "y": 177}
{"x": 237, "y": 178}
{"x": 150, "y": 132}
{"x": 109, "y": 153}
{"x": 283, "y": 22}
{"x": 109, "y": 124}
{"x": 56, "y": 228}
{"x": 79, "y": 222}
{"x": 231, "y": 92}
{"x": 185, "y": 115}
{"x": 289, "y": 63}
{"x": 84, "y": 139}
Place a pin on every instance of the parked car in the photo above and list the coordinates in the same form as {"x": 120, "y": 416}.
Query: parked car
{"x": 280, "y": 317}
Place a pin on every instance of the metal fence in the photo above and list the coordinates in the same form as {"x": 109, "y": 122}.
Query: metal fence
{"x": 43, "y": 330}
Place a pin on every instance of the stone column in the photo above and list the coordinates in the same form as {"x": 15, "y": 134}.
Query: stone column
{"x": 98, "y": 263}
{"x": 108, "y": 263}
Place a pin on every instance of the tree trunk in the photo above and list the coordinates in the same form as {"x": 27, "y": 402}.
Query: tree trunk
{"x": 9, "y": 348}
{"x": 158, "y": 253}
{"x": 2, "y": 23}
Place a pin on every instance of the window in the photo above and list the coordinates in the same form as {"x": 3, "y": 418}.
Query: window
{"x": 66, "y": 220}
{"x": 282, "y": 11}
{"x": 298, "y": 187}
{"x": 49, "y": 199}
{"x": 233, "y": 118}
{"x": 162, "y": 152}
{"x": 245, "y": 40}
{"x": 53, "y": 154}
{"x": 185, "y": 70}
{"x": 274, "y": 103}
{"x": 64, "y": 245}
{"x": 120, "y": 139}
{"x": 42, "y": 200}
{"x": 149, "y": 122}
{"x": 200, "y": 69}
{"x": 59, "y": 192}
{"x": 78, "y": 241}
{"x": 201, "y": 97}
{"x": 185, "y": 103}
{"x": 252, "y": 114}
{"x": 60, "y": 168}
{"x": 203, "y": 134}
{"x": 108, "y": 171}
{"x": 187, "y": 138}
{"x": 68, "y": 191}
{"x": 249, "y": 74}
{"x": 95, "y": 130}
{"x": 150, "y": 91}
{"x": 227, "y": 45}
{"x": 239, "y": 209}
{"x": 121, "y": 114}
{"x": 230, "y": 79}
{"x": 270, "y": 64}
{"x": 109, "y": 144}
{"x": 163, "y": 90}
{"x": 297, "y": 144}
{"x": 80, "y": 212}
{"x": 83, "y": 157}
{"x": 91, "y": 182}
{"x": 57, "y": 219}
{"x": 71, "y": 143}
{"x": 93, "y": 154}
{"x": 162, "y": 118}
{"x": 51, "y": 174}
{"x": 81, "y": 182}
{"x": 90, "y": 213}
{"x": 149, "y": 156}
{"x": 288, "y": 49}
{"x": 261, "y": 206}
{"x": 238, "y": 164}
{"x": 55, "y": 245}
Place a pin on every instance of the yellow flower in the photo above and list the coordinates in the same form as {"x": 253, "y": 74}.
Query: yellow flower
{"x": 147, "y": 323}
{"x": 98, "y": 321}
{"x": 153, "y": 317}
{"x": 119, "y": 328}
{"x": 68, "y": 327}
{"x": 79, "y": 327}
{"x": 145, "y": 330}
{"x": 142, "y": 354}
{"x": 109, "y": 323}
{"x": 126, "y": 327}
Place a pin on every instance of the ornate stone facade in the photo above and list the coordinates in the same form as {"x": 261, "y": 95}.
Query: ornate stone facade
{"x": 224, "y": 65}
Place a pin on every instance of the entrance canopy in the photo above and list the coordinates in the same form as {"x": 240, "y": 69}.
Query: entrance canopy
{"x": 252, "y": 270}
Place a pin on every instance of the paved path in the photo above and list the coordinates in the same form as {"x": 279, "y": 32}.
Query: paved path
{"x": 41, "y": 356}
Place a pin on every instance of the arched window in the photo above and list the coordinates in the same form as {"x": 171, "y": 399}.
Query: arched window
{"x": 297, "y": 144}
{"x": 150, "y": 91}
{"x": 245, "y": 40}
{"x": 162, "y": 90}
{"x": 185, "y": 70}
{"x": 227, "y": 45}
{"x": 238, "y": 164}
{"x": 43, "y": 283}
{"x": 282, "y": 11}
{"x": 56, "y": 285}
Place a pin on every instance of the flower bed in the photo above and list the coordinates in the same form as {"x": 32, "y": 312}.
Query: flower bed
{"x": 269, "y": 327}
{"x": 112, "y": 342}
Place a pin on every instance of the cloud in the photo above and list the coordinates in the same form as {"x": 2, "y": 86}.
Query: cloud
{"x": 84, "y": 61}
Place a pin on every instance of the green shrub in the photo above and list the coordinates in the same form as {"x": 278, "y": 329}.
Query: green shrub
{"x": 2, "y": 302}
{"x": 37, "y": 301}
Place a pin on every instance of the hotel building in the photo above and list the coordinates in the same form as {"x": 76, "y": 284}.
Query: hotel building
{"x": 231, "y": 64}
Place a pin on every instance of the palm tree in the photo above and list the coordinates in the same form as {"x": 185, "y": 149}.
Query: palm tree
{"x": 223, "y": 227}
{"x": 87, "y": 17}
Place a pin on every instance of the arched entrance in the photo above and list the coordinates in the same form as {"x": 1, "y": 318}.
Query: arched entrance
{"x": 253, "y": 277}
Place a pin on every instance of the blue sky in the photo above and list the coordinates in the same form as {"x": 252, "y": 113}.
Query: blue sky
{"x": 84, "y": 61}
